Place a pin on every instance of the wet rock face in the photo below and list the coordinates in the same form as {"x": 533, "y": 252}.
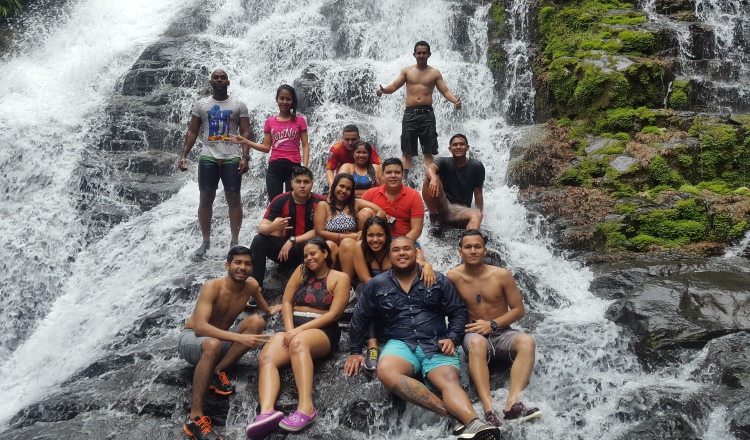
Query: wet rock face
{"x": 684, "y": 311}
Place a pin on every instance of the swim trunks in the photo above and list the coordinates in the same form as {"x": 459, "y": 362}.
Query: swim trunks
{"x": 418, "y": 123}
{"x": 499, "y": 342}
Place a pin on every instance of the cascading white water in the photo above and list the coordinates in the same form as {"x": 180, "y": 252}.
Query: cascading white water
{"x": 719, "y": 60}
{"x": 583, "y": 366}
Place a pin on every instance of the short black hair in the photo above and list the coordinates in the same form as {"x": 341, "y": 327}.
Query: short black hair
{"x": 351, "y": 128}
{"x": 392, "y": 161}
{"x": 470, "y": 233}
{"x": 458, "y": 135}
{"x": 422, "y": 43}
{"x": 401, "y": 237}
{"x": 238, "y": 250}
{"x": 302, "y": 171}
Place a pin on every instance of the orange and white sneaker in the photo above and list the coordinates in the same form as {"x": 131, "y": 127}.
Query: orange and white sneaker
{"x": 221, "y": 385}
{"x": 200, "y": 429}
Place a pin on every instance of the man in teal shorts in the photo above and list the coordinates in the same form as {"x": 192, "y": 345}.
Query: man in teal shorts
{"x": 412, "y": 319}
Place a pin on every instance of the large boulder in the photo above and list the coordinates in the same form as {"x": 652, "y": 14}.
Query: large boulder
{"x": 684, "y": 311}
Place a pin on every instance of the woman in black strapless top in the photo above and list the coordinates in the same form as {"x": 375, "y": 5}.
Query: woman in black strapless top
{"x": 314, "y": 300}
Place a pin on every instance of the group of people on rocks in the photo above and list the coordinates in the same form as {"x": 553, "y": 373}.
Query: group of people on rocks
{"x": 360, "y": 241}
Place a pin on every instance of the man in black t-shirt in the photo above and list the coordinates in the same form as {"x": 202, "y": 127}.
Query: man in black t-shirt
{"x": 286, "y": 226}
{"x": 449, "y": 186}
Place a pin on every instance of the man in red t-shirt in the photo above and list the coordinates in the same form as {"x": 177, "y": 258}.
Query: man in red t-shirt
{"x": 341, "y": 153}
{"x": 402, "y": 204}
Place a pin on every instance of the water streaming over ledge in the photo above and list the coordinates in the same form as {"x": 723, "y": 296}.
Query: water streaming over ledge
{"x": 65, "y": 299}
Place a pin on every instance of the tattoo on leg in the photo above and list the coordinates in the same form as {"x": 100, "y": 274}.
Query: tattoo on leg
{"x": 415, "y": 392}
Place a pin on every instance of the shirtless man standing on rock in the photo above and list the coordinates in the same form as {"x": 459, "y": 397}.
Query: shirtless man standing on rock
{"x": 419, "y": 117}
{"x": 494, "y": 303}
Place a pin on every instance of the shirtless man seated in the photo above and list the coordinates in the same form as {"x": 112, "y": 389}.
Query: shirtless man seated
{"x": 213, "y": 342}
{"x": 494, "y": 303}
{"x": 418, "y": 122}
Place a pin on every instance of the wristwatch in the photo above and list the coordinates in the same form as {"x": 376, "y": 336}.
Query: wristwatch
{"x": 293, "y": 239}
{"x": 493, "y": 325}
{"x": 246, "y": 157}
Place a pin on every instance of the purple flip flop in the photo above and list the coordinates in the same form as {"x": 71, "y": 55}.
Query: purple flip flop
{"x": 297, "y": 421}
{"x": 263, "y": 425}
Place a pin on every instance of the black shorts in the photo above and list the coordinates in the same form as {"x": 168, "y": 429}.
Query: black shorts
{"x": 333, "y": 331}
{"x": 419, "y": 124}
{"x": 209, "y": 173}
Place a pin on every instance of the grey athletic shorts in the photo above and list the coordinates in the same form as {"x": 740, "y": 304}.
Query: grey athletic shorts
{"x": 499, "y": 343}
{"x": 189, "y": 345}
{"x": 452, "y": 213}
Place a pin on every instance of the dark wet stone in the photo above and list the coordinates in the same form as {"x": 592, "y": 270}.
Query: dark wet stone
{"x": 684, "y": 310}
{"x": 727, "y": 361}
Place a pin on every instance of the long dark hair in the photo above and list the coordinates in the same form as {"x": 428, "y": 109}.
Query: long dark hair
{"x": 370, "y": 168}
{"x": 350, "y": 202}
{"x": 369, "y": 254}
{"x": 290, "y": 89}
{"x": 323, "y": 246}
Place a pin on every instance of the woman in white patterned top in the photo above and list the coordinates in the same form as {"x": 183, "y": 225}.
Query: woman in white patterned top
{"x": 343, "y": 215}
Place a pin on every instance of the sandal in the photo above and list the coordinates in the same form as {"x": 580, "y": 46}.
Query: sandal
{"x": 263, "y": 425}
{"x": 298, "y": 421}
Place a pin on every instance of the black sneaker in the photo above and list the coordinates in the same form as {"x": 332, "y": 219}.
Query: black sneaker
{"x": 519, "y": 413}
{"x": 201, "y": 251}
{"x": 200, "y": 429}
{"x": 251, "y": 303}
{"x": 220, "y": 384}
{"x": 371, "y": 363}
{"x": 436, "y": 228}
{"x": 478, "y": 430}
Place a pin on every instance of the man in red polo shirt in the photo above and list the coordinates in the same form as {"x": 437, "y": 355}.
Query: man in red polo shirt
{"x": 341, "y": 153}
{"x": 402, "y": 204}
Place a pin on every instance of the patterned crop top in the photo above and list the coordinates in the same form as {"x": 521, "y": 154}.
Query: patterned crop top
{"x": 362, "y": 182}
{"x": 314, "y": 293}
{"x": 341, "y": 223}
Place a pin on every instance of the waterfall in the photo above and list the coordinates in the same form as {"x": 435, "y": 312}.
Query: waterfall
{"x": 713, "y": 52}
{"x": 65, "y": 298}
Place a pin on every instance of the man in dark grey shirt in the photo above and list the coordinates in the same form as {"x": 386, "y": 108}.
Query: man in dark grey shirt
{"x": 450, "y": 185}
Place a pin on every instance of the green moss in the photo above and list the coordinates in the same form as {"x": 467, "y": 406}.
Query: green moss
{"x": 658, "y": 170}
{"x": 637, "y": 42}
{"x": 690, "y": 210}
{"x": 717, "y": 186}
{"x": 651, "y": 129}
{"x": 564, "y": 122}
{"x": 630, "y": 18}
{"x": 619, "y": 119}
{"x": 590, "y": 87}
{"x": 614, "y": 238}
{"x": 583, "y": 172}
{"x": 641, "y": 241}
{"x": 625, "y": 208}
{"x": 681, "y": 92}
{"x": 739, "y": 229}
{"x": 498, "y": 16}
{"x": 686, "y": 161}
{"x": 690, "y": 188}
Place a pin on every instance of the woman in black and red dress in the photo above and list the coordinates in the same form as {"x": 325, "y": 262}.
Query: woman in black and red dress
{"x": 314, "y": 300}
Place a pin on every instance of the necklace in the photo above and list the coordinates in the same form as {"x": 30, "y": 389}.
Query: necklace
{"x": 478, "y": 292}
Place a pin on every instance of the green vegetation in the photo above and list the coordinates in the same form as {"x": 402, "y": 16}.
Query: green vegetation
{"x": 9, "y": 8}
{"x": 680, "y": 97}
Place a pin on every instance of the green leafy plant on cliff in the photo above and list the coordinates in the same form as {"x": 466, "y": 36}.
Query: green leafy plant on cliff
{"x": 9, "y": 8}
{"x": 681, "y": 92}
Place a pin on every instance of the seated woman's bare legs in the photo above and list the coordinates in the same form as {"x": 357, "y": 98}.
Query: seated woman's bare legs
{"x": 346, "y": 250}
{"x": 306, "y": 346}
{"x": 273, "y": 356}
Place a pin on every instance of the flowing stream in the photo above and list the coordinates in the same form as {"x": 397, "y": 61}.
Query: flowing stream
{"x": 65, "y": 298}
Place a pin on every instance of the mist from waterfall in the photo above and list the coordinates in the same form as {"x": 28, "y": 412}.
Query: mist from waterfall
{"x": 65, "y": 299}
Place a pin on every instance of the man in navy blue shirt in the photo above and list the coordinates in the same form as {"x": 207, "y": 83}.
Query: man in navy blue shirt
{"x": 412, "y": 318}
